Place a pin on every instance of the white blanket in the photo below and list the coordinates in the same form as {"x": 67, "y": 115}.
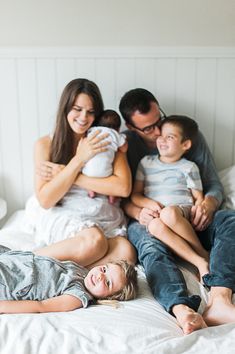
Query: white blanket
{"x": 138, "y": 326}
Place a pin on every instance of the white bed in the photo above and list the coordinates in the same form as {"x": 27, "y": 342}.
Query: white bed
{"x": 138, "y": 326}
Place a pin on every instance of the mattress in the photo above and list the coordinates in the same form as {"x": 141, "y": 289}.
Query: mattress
{"x": 137, "y": 326}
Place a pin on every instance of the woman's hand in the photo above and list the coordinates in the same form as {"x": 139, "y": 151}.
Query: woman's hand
{"x": 91, "y": 145}
{"x": 48, "y": 170}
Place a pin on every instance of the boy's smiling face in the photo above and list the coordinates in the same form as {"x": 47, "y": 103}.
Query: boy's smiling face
{"x": 170, "y": 144}
{"x": 105, "y": 280}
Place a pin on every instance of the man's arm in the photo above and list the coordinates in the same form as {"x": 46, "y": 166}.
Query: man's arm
{"x": 60, "y": 303}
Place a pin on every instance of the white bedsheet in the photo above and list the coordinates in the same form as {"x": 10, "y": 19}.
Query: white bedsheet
{"x": 138, "y": 326}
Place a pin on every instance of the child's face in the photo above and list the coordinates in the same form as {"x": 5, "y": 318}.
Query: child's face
{"x": 169, "y": 143}
{"x": 105, "y": 280}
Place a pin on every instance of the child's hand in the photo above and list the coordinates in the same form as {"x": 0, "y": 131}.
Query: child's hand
{"x": 155, "y": 206}
{"x": 146, "y": 215}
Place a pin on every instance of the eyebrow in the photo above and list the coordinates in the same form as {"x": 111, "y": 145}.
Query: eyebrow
{"x": 109, "y": 276}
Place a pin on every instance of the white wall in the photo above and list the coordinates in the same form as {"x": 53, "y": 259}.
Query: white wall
{"x": 117, "y": 22}
{"x": 118, "y": 44}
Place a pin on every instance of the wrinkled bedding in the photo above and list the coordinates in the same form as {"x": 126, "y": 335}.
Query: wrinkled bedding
{"x": 138, "y": 326}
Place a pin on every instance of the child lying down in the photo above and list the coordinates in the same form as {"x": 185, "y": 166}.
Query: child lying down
{"x": 30, "y": 283}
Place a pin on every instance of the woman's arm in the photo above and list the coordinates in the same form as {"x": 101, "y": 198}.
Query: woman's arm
{"x": 60, "y": 303}
{"x": 119, "y": 184}
{"x": 50, "y": 192}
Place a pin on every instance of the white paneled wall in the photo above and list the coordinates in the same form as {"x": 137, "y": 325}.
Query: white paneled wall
{"x": 199, "y": 82}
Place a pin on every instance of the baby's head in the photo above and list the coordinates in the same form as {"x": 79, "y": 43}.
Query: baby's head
{"x": 109, "y": 119}
{"x": 112, "y": 281}
{"x": 178, "y": 134}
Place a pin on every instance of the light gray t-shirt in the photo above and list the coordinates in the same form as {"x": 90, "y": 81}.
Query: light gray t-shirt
{"x": 169, "y": 183}
{"x": 26, "y": 276}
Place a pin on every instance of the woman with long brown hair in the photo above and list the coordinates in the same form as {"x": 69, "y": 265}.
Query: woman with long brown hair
{"x": 71, "y": 224}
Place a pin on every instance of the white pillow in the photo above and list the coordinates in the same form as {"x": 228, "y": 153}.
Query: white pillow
{"x": 227, "y": 178}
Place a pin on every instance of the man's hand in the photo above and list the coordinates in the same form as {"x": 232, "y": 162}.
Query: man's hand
{"x": 202, "y": 214}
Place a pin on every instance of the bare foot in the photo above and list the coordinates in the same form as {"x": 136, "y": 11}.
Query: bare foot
{"x": 219, "y": 311}
{"x": 91, "y": 194}
{"x": 188, "y": 319}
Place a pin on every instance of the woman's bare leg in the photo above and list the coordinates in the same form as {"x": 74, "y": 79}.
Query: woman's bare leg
{"x": 178, "y": 245}
{"x": 119, "y": 248}
{"x": 173, "y": 218}
{"x": 88, "y": 246}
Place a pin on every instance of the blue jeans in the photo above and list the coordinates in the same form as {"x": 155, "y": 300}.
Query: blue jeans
{"x": 163, "y": 275}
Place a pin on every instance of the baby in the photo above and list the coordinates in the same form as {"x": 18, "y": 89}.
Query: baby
{"x": 101, "y": 165}
{"x": 30, "y": 283}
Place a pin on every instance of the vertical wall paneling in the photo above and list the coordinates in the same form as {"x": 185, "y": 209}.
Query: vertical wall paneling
{"x": 47, "y": 94}
{"x": 199, "y": 82}
{"x": 28, "y": 119}
{"x": 11, "y": 175}
{"x": 85, "y": 68}
{"x": 125, "y": 77}
{"x": 206, "y": 98}
{"x": 105, "y": 79}
{"x": 145, "y": 73}
{"x": 165, "y": 84}
{"x": 65, "y": 72}
{"x": 225, "y": 113}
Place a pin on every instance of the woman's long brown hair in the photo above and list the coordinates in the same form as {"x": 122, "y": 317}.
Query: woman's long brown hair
{"x": 62, "y": 148}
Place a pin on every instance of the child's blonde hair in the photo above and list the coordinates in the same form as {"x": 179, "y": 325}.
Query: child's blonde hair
{"x": 130, "y": 289}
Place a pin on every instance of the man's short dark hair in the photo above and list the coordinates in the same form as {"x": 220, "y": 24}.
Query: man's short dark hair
{"x": 137, "y": 99}
{"x": 187, "y": 125}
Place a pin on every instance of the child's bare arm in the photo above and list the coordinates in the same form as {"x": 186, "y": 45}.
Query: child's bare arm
{"x": 138, "y": 198}
{"x": 197, "y": 196}
{"x": 60, "y": 303}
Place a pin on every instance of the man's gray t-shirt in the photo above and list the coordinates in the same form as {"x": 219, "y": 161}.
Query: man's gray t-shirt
{"x": 26, "y": 276}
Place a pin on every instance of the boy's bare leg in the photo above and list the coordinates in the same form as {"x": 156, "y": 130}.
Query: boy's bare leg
{"x": 188, "y": 319}
{"x": 220, "y": 309}
{"x": 178, "y": 245}
{"x": 172, "y": 217}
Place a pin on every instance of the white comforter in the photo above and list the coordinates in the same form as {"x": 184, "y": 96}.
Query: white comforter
{"x": 138, "y": 326}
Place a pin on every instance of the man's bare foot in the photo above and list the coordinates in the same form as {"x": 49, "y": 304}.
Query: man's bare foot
{"x": 219, "y": 311}
{"x": 188, "y": 319}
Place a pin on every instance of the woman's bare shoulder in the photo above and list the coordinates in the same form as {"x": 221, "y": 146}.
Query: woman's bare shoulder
{"x": 44, "y": 141}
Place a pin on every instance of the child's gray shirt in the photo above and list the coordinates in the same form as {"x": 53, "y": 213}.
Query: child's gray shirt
{"x": 26, "y": 276}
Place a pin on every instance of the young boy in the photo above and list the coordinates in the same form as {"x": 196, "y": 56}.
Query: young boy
{"x": 101, "y": 165}
{"x": 170, "y": 185}
{"x": 30, "y": 283}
